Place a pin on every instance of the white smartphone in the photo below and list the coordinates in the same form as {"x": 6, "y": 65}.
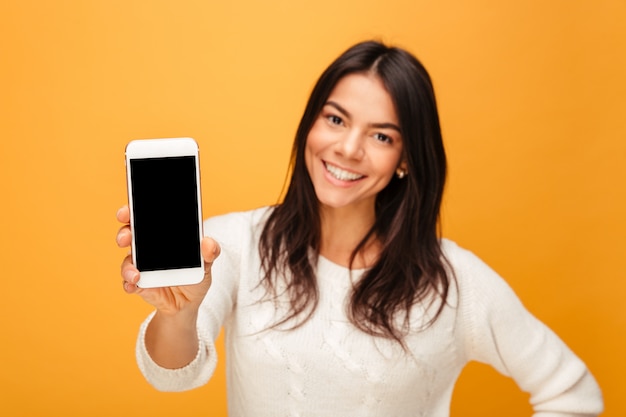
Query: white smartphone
{"x": 165, "y": 211}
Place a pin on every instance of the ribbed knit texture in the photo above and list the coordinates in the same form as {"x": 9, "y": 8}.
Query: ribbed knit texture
{"x": 327, "y": 367}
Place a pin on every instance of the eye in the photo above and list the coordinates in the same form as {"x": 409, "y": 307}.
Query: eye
{"x": 335, "y": 120}
{"x": 383, "y": 138}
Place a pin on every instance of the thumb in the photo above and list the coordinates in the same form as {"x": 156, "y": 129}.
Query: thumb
{"x": 210, "y": 250}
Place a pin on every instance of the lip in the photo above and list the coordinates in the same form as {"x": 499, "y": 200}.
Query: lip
{"x": 331, "y": 177}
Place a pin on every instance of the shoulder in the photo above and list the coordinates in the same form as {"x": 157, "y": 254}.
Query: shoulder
{"x": 474, "y": 278}
{"x": 460, "y": 258}
{"x": 235, "y": 225}
{"x": 461, "y": 261}
{"x": 238, "y": 235}
{"x": 487, "y": 308}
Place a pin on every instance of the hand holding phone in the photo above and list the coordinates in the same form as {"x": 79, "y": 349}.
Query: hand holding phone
{"x": 173, "y": 341}
{"x": 163, "y": 178}
{"x": 166, "y": 299}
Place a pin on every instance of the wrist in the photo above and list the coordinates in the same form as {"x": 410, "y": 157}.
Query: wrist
{"x": 172, "y": 339}
{"x": 181, "y": 319}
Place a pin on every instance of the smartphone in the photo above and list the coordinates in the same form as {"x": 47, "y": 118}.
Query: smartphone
{"x": 164, "y": 198}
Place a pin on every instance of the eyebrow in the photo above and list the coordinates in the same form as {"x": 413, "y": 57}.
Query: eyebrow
{"x": 347, "y": 114}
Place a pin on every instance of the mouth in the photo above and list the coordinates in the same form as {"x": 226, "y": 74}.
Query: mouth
{"x": 342, "y": 174}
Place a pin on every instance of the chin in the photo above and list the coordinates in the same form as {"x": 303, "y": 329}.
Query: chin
{"x": 339, "y": 202}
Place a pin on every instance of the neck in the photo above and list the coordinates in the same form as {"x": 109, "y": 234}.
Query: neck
{"x": 342, "y": 230}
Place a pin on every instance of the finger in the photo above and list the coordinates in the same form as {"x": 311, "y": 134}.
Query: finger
{"x": 129, "y": 288}
{"x": 210, "y": 249}
{"x": 123, "y": 214}
{"x": 130, "y": 274}
{"x": 124, "y": 236}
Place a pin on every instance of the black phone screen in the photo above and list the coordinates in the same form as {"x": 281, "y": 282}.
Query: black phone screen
{"x": 165, "y": 213}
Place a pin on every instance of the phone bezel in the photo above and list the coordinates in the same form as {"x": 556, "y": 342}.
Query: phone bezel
{"x": 163, "y": 148}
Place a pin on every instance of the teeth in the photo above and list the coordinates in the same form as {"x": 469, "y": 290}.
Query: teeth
{"x": 342, "y": 175}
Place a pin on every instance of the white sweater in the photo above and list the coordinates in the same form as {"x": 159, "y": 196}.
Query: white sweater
{"x": 329, "y": 368}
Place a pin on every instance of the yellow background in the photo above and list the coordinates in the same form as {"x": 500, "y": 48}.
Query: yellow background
{"x": 532, "y": 100}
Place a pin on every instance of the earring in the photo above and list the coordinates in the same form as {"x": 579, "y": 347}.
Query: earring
{"x": 401, "y": 173}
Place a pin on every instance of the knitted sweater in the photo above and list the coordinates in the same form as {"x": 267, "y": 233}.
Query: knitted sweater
{"x": 327, "y": 367}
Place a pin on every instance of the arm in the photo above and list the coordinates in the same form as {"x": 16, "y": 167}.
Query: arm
{"x": 199, "y": 363}
{"x": 502, "y": 333}
{"x": 169, "y": 340}
{"x": 171, "y": 336}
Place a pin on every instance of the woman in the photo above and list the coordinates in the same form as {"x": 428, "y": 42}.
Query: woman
{"x": 342, "y": 300}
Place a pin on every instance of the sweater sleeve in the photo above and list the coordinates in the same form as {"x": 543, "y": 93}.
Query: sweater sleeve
{"x": 503, "y": 334}
{"x": 214, "y": 310}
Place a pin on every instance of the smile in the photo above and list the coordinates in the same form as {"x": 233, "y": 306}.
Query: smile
{"x": 341, "y": 174}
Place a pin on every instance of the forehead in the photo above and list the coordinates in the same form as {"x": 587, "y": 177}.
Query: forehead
{"x": 365, "y": 97}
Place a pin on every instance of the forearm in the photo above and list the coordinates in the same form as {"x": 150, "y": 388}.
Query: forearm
{"x": 172, "y": 340}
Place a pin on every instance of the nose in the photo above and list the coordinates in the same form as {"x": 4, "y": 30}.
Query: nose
{"x": 350, "y": 145}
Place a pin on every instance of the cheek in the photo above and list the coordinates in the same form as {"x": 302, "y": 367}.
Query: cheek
{"x": 314, "y": 143}
{"x": 387, "y": 164}
{"x": 315, "y": 138}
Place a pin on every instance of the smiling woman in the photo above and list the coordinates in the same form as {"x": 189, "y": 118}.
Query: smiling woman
{"x": 343, "y": 295}
{"x": 532, "y": 98}
{"x": 354, "y": 147}
{"x": 377, "y": 218}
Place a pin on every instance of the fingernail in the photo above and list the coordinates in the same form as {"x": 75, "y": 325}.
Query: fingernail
{"x": 129, "y": 275}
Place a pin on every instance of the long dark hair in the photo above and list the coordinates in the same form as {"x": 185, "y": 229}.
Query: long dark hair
{"x": 411, "y": 267}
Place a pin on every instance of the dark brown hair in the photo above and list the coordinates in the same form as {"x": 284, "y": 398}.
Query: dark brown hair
{"x": 411, "y": 267}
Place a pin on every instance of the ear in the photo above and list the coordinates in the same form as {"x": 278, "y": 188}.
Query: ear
{"x": 402, "y": 170}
